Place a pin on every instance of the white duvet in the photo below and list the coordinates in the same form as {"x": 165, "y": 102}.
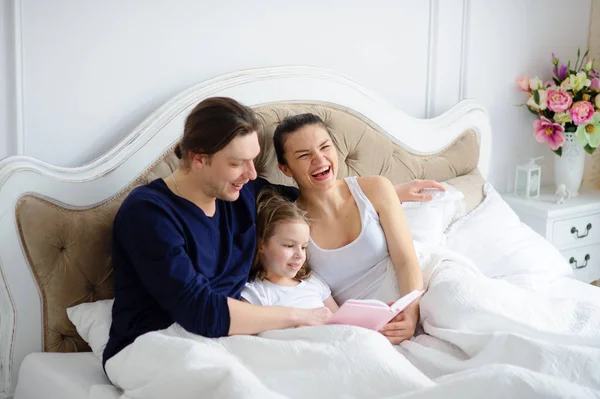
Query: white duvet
{"x": 483, "y": 338}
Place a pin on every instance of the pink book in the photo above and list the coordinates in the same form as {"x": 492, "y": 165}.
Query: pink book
{"x": 371, "y": 313}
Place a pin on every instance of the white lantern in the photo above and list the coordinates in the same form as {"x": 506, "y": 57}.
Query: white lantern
{"x": 528, "y": 179}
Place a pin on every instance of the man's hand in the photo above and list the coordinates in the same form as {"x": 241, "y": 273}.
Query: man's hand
{"x": 411, "y": 191}
{"x": 313, "y": 317}
{"x": 403, "y": 326}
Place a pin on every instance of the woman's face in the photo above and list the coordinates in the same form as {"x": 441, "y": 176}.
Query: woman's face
{"x": 311, "y": 157}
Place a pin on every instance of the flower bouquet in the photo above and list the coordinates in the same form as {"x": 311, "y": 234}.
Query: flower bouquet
{"x": 568, "y": 103}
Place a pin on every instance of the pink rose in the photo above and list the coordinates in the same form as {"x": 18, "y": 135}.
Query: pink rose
{"x": 523, "y": 83}
{"x": 558, "y": 101}
{"x": 546, "y": 131}
{"x": 582, "y": 112}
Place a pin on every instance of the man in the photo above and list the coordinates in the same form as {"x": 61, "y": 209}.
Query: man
{"x": 182, "y": 246}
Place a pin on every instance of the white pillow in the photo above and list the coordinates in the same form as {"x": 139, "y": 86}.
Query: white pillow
{"x": 92, "y": 321}
{"x": 493, "y": 236}
{"x": 429, "y": 220}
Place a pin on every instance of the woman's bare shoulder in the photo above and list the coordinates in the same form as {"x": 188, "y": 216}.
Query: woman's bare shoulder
{"x": 378, "y": 189}
{"x": 374, "y": 183}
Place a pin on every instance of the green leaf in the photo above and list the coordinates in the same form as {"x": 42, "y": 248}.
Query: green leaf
{"x": 556, "y": 81}
{"x": 536, "y": 97}
{"x": 533, "y": 111}
{"x": 558, "y": 151}
{"x": 570, "y": 128}
{"x": 589, "y": 149}
{"x": 582, "y": 61}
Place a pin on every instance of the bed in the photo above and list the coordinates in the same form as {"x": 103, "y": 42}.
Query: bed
{"x": 55, "y": 222}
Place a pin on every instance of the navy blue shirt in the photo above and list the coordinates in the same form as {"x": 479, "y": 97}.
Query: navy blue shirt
{"x": 172, "y": 263}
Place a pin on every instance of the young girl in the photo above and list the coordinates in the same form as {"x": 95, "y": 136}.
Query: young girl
{"x": 280, "y": 275}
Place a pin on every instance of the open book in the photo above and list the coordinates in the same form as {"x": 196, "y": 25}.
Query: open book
{"x": 371, "y": 313}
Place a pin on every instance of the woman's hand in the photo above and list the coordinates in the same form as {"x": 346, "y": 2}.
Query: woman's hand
{"x": 403, "y": 326}
{"x": 412, "y": 191}
{"x": 313, "y": 317}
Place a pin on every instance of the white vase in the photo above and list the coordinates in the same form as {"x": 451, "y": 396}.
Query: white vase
{"x": 568, "y": 168}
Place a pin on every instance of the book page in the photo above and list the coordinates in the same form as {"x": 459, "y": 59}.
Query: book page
{"x": 371, "y": 302}
{"x": 406, "y": 300}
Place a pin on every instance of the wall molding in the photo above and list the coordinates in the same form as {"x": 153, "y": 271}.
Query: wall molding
{"x": 446, "y": 52}
{"x": 591, "y": 173}
{"x": 19, "y": 108}
{"x": 431, "y": 57}
{"x": 462, "y": 85}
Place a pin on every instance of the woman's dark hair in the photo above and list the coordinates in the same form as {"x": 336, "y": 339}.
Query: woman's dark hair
{"x": 271, "y": 210}
{"x": 290, "y": 125}
{"x": 212, "y": 124}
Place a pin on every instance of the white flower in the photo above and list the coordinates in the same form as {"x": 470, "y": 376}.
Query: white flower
{"x": 535, "y": 83}
{"x": 580, "y": 81}
{"x": 543, "y": 104}
{"x": 566, "y": 85}
{"x": 562, "y": 117}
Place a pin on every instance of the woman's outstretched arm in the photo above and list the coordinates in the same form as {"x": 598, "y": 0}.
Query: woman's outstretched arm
{"x": 384, "y": 198}
{"x": 413, "y": 190}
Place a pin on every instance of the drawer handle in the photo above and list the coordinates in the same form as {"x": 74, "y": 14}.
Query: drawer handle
{"x": 587, "y": 231}
{"x": 573, "y": 260}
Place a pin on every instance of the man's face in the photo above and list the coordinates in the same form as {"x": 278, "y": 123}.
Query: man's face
{"x": 228, "y": 170}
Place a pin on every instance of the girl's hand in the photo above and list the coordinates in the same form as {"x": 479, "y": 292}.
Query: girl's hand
{"x": 403, "y": 326}
{"x": 313, "y": 317}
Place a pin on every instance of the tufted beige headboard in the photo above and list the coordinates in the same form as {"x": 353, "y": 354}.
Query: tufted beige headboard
{"x": 69, "y": 250}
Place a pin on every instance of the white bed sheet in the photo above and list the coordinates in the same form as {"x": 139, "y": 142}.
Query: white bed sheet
{"x": 63, "y": 376}
{"x": 80, "y": 375}
{"x": 557, "y": 286}
{"x": 566, "y": 287}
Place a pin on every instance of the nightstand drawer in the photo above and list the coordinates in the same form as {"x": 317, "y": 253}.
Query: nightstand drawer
{"x": 585, "y": 262}
{"x": 584, "y": 230}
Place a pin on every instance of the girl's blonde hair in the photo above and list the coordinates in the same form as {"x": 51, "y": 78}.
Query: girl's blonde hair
{"x": 271, "y": 210}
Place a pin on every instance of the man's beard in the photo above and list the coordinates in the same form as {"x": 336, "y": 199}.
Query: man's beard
{"x": 222, "y": 191}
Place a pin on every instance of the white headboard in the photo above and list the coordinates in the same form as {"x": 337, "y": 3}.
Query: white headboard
{"x": 21, "y": 330}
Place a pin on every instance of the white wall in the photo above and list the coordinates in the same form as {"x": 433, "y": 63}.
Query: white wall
{"x": 93, "y": 70}
{"x": 7, "y": 134}
{"x": 508, "y": 39}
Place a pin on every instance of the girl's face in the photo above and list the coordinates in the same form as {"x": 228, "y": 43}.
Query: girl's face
{"x": 311, "y": 157}
{"x": 284, "y": 253}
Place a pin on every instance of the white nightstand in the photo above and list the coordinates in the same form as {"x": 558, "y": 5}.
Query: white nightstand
{"x": 573, "y": 227}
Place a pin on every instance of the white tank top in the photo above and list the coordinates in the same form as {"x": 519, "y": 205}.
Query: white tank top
{"x": 356, "y": 270}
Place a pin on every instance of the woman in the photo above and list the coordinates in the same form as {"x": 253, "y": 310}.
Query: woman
{"x": 357, "y": 224}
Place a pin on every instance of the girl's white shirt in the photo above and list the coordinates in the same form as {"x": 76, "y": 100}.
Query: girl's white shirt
{"x": 309, "y": 294}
